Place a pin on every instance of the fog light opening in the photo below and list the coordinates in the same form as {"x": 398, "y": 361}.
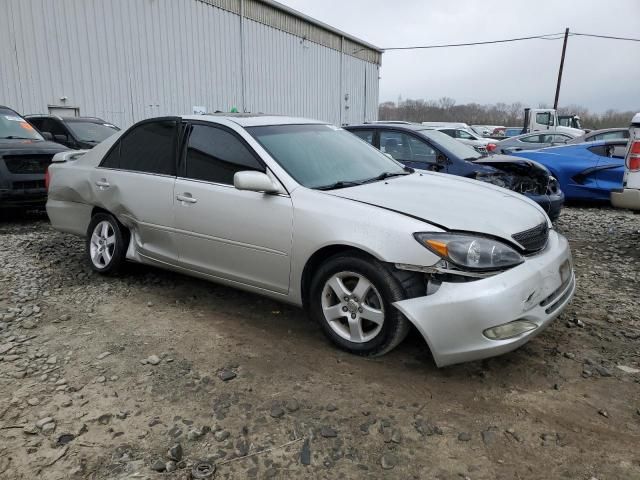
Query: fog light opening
{"x": 509, "y": 330}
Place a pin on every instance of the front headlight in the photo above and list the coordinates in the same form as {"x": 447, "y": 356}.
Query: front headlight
{"x": 470, "y": 252}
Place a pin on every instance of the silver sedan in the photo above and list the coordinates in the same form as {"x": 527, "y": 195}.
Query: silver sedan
{"x": 309, "y": 214}
{"x": 531, "y": 141}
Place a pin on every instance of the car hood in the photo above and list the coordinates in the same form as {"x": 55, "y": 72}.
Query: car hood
{"x": 29, "y": 146}
{"x": 452, "y": 203}
{"x": 504, "y": 162}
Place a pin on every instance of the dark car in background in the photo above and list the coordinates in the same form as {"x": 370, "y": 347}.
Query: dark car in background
{"x": 421, "y": 147}
{"x": 73, "y": 132}
{"x": 24, "y": 158}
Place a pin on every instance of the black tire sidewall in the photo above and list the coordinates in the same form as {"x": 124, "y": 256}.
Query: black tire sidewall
{"x": 381, "y": 279}
{"x": 120, "y": 248}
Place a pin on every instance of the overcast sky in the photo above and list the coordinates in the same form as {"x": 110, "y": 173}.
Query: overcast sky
{"x": 599, "y": 74}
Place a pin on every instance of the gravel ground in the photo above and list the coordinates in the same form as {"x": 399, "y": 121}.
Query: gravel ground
{"x": 143, "y": 375}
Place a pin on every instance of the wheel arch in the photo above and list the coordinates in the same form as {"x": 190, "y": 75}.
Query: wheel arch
{"x": 96, "y": 210}
{"x": 409, "y": 281}
{"x": 319, "y": 256}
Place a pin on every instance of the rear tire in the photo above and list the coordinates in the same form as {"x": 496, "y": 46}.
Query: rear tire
{"x": 106, "y": 244}
{"x": 351, "y": 297}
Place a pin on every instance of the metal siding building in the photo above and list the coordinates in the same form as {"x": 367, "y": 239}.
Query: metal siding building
{"x": 126, "y": 60}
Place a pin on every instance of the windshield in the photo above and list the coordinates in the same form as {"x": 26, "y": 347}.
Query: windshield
{"x": 90, "y": 131}
{"x": 319, "y": 156}
{"x": 455, "y": 147}
{"x": 13, "y": 125}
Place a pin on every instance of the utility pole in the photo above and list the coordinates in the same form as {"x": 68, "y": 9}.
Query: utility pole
{"x": 564, "y": 49}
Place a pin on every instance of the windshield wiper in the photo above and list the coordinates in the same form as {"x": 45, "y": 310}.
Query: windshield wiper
{"x": 340, "y": 184}
{"x": 385, "y": 175}
{"x": 15, "y": 137}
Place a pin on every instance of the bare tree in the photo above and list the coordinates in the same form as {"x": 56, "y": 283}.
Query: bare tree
{"x": 445, "y": 109}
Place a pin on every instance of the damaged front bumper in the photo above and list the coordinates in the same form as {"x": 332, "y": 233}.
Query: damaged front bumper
{"x": 454, "y": 319}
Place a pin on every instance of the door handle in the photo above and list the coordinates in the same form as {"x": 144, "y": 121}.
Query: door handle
{"x": 186, "y": 197}
{"x": 102, "y": 183}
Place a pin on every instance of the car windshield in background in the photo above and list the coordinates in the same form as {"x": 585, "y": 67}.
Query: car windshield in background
{"x": 91, "y": 131}
{"x": 13, "y": 126}
{"x": 454, "y": 146}
{"x": 323, "y": 156}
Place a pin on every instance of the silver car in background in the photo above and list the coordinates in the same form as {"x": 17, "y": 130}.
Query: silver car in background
{"x": 309, "y": 214}
{"x": 603, "y": 134}
{"x": 531, "y": 141}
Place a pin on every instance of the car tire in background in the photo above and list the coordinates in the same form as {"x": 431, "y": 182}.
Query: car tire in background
{"x": 351, "y": 297}
{"x": 106, "y": 244}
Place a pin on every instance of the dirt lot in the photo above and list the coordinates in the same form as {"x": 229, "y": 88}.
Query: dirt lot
{"x": 125, "y": 368}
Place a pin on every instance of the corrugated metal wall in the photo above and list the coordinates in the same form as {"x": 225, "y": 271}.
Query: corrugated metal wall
{"x": 125, "y": 60}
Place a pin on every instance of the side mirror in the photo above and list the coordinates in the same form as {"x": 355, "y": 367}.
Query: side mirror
{"x": 253, "y": 181}
{"x": 47, "y": 136}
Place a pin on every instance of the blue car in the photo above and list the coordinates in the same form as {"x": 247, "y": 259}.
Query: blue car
{"x": 586, "y": 171}
{"x": 417, "y": 146}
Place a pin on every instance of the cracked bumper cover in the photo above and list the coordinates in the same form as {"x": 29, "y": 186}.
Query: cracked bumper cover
{"x": 452, "y": 320}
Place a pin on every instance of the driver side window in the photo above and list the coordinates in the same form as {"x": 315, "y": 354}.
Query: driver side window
{"x": 406, "y": 148}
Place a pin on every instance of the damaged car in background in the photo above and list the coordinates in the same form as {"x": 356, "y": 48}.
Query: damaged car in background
{"x": 419, "y": 146}
{"x": 308, "y": 214}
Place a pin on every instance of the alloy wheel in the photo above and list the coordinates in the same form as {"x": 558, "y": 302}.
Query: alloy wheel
{"x": 353, "y": 307}
{"x": 103, "y": 244}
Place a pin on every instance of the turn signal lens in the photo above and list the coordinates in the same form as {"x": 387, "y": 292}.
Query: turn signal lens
{"x": 438, "y": 247}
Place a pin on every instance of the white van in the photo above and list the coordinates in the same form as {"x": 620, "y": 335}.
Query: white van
{"x": 629, "y": 195}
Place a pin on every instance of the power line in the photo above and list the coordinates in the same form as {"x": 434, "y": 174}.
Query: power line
{"x": 550, "y": 36}
{"x": 606, "y": 36}
{"x": 545, "y": 37}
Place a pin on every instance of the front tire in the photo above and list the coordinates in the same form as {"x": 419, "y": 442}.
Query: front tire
{"x": 351, "y": 297}
{"x": 106, "y": 244}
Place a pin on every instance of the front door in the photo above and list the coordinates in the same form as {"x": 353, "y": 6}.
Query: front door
{"x": 237, "y": 235}
{"x": 411, "y": 151}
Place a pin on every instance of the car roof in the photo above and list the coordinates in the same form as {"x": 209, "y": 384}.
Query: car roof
{"x": 65, "y": 119}
{"x": 253, "y": 119}
{"x": 9, "y": 108}
{"x": 539, "y": 132}
{"x": 605, "y": 130}
{"x": 416, "y": 127}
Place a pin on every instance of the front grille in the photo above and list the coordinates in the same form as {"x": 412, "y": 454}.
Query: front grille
{"x": 27, "y": 164}
{"x": 534, "y": 239}
{"x": 28, "y": 185}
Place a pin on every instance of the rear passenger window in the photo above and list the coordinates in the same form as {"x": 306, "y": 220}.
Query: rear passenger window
{"x": 215, "y": 155}
{"x": 148, "y": 148}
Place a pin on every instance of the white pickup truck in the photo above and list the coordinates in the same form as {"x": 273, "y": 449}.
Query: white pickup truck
{"x": 629, "y": 195}
{"x": 546, "y": 120}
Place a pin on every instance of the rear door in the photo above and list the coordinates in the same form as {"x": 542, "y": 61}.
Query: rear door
{"x": 135, "y": 182}
{"x": 236, "y": 235}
